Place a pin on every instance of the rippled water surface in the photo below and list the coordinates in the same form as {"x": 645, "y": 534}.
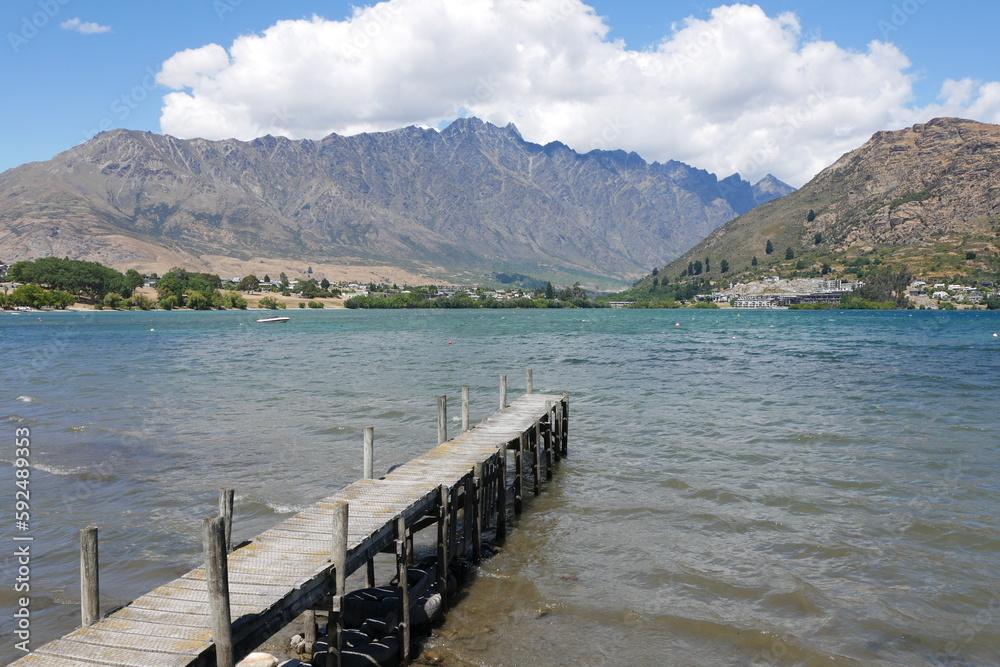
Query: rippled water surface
{"x": 746, "y": 488}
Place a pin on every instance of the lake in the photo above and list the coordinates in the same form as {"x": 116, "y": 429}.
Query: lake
{"x": 743, "y": 487}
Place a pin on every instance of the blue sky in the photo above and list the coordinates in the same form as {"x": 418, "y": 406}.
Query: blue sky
{"x": 73, "y": 67}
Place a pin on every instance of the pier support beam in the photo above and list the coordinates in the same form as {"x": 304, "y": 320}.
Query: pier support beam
{"x": 503, "y": 392}
{"x": 226, "y": 512}
{"x": 369, "y": 462}
{"x": 529, "y": 383}
{"x": 476, "y": 520}
{"x": 536, "y": 465}
{"x": 338, "y": 558}
{"x": 564, "y": 430}
{"x": 90, "y": 590}
{"x": 442, "y": 419}
{"x": 309, "y": 630}
{"x": 468, "y": 487}
{"x": 549, "y": 449}
{"x": 465, "y": 409}
{"x": 442, "y": 548}
{"x": 519, "y": 472}
{"x": 403, "y": 611}
{"x": 501, "y": 482}
{"x": 217, "y": 576}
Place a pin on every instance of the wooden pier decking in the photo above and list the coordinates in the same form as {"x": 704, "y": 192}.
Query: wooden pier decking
{"x": 289, "y": 569}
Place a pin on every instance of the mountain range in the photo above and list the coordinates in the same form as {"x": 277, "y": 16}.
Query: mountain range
{"x": 458, "y": 204}
{"x": 927, "y": 197}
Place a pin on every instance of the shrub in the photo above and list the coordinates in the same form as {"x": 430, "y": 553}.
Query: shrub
{"x": 315, "y": 304}
{"x": 269, "y": 302}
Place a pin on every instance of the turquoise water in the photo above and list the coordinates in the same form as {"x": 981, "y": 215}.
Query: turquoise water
{"x": 746, "y": 488}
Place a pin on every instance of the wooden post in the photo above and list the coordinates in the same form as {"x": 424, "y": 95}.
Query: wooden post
{"x": 551, "y": 450}
{"x": 554, "y": 445}
{"x": 217, "y": 579}
{"x": 501, "y": 482}
{"x": 565, "y": 425}
{"x": 309, "y": 630}
{"x": 465, "y": 409}
{"x": 403, "y": 612}
{"x": 90, "y": 589}
{"x": 467, "y": 515}
{"x": 476, "y": 520}
{"x": 226, "y": 512}
{"x": 519, "y": 472}
{"x": 537, "y": 463}
{"x": 503, "y": 392}
{"x": 452, "y": 525}
{"x": 442, "y": 548}
{"x": 442, "y": 419}
{"x": 369, "y": 452}
{"x": 338, "y": 557}
{"x": 369, "y": 461}
{"x": 529, "y": 383}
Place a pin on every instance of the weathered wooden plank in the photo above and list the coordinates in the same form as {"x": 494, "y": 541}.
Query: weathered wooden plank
{"x": 70, "y": 649}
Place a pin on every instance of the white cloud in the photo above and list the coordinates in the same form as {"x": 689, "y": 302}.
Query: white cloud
{"x": 84, "y": 27}
{"x": 737, "y": 91}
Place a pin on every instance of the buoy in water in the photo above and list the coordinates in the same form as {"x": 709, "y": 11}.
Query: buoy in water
{"x": 152, "y": 329}
{"x": 678, "y": 324}
{"x": 449, "y": 342}
{"x": 994, "y": 335}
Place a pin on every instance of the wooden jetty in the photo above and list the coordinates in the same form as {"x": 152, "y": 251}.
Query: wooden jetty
{"x": 217, "y": 614}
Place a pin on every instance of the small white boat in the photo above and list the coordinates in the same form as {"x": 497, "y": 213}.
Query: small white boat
{"x": 271, "y": 320}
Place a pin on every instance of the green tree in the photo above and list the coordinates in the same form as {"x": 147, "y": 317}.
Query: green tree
{"x": 724, "y": 266}
{"x": 697, "y": 267}
{"x": 196, "y": 300}
{"x": 707, "y": 265}
{"x": 691, "y": 268}
{"x": 231, "y": 299}
{"x": 826, "y": 269}
{"x": 248, "y": 283}
{"x": 818, "y": 238}
{"x": 811, "y": 216}
{"x": 656, "y": 271}
{"x": 307, "y": 289}
{"x": 283, "y": 279}
{"x": 789, "y": 253}
{"x": 30, "y": 296}
{"x": 325, "y": 284}
{"x": 269, "y": 302}
{"x": 113, "y": 301}
{"x": 267, "y": 278}
{"x": 753, "y": 262}
{"x": 133, "y": 279}
{"x": 886, "y": 284}
{"x": 550, "y": 291}
{"x": 656, "y": 282}
{"x": 769, "y": 248}
{"x": 970, "y": 255}
{"x": 141, "y": 301}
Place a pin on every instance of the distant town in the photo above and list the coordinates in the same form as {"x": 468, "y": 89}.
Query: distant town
{"x": 53, "y": 283}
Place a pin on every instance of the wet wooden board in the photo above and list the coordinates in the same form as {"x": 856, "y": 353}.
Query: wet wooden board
{"x": 286, "y": 569}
